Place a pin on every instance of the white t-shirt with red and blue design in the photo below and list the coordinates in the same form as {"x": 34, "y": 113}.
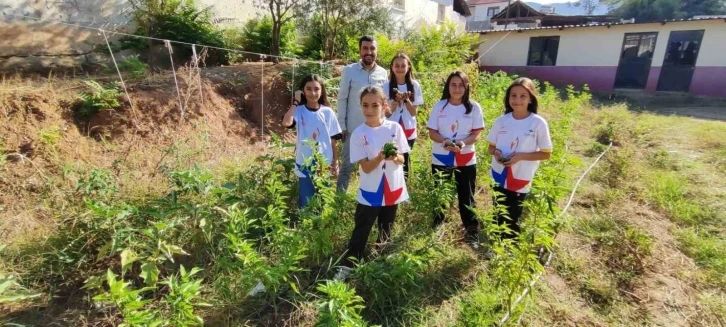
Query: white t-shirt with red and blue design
{"x": 511, "y": 135}
{"x": 453, "y": 123}
{"x": 385, "y": 185}
{"x": 314, "y": 127}
{"x": 401, "y": 115}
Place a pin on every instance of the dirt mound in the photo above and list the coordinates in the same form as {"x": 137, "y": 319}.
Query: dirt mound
{"x": 46, "y": 149}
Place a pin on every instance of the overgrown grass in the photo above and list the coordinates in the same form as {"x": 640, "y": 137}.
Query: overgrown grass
{"x": 661, "y": 166}
{"x": 209, "y": 236}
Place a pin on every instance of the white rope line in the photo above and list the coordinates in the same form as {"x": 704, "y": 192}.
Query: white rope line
{"x": 156, "y": 39}
{"x": 123, "y": 84}
{"x": 549, "y": 257}
{"x": 262, "y": 98}
{"x": 167, "y": 44}
{"x": 199, "y": 73}
{"x": 492, "y": 47}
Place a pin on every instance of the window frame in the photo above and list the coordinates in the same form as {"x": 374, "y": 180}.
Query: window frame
{"x": 492, "y": 9}
{"x": 544, "y": 50}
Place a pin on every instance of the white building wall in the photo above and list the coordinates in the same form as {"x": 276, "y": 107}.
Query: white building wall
{"x": 601, "y": 46}
{"x": 418, "y": 13}
{"x": 22, "y": 36}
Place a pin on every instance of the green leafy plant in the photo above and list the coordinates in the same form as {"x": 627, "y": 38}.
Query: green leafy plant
{"x": 389, "y": 149}
{"x": 12, "y": 292}
{"x": 257, "y": 37}
{"x": 135, "y": 68}
{"x": 99, "y": 182}
{"x": 179, "y": 20}
{"x": 340, "y": 307}
{"x": 99, "y": 98}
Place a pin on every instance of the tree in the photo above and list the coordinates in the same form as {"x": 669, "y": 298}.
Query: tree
{"x": 703, "y": 7}
{"x": 281, "y": 12}
{"x": 657, "y": 10}
{"x": 341, "y": 18}
{"x": 588, "y": 6}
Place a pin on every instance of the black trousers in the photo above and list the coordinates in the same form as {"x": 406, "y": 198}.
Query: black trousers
{"x": 465, "y": 178}
{"x": 512, "y": 202}
{"x": 406, "y": 159}
{"x": 365, "y": 217}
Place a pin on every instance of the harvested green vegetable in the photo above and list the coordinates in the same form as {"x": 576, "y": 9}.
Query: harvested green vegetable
{"x": 389, "y": 149}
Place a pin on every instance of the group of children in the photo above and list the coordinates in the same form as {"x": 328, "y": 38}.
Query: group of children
{"x": 518, "y": 141}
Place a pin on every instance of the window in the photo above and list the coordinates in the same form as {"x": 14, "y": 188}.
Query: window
{"x": 441, "y": 17}
{"x": 543, "y": 51}
{"x": 399, "y": 4}
{"x": 491, "y": 11}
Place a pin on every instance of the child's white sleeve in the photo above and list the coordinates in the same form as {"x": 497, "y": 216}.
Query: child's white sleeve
{"x": 478, "y": 119}
{"x": 544, "y": 140}
{"x": 492, "y": 137}
{"x": 433, "y": 122}
{"x": 418, "y": 94}
{"x": 333, "y": 125}
{"x": 401, "y": 141}
{"x": 357, "y": 148}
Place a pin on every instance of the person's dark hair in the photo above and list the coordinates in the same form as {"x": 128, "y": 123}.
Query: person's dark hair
{"x": 409, "y": 75}
{"x": 465, "y": 100}
{"x": 323, "y": 94}
{"x": 527, "y": 84}
{"x": 365, "y": 38}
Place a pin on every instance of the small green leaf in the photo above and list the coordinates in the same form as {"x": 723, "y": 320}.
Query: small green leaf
{"x": 149, "y": 273}
{"x": 95, "y": 282}
{"x": 128, "y": 257}
{"x": 104, "y": 250}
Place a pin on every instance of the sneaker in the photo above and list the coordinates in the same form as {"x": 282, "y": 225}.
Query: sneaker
{"x": 543, "y": 255}
{"x": 473, "y": 241}
{"x": 259, "y": 288}
{"x": 343, "y": 273}
{"x": 439, "y": 230}
{"x": 380, "y": 247}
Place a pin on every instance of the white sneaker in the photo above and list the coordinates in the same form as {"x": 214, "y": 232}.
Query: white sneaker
{"x": 343, "y": 273}
{"x": 259, "y": 288}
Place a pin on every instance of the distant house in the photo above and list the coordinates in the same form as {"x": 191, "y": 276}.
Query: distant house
{"x": 416, "y": 13}
{"x": 669, "y": 56}
{"x": 497, "y": 15}
{"x": 482, "y": 12}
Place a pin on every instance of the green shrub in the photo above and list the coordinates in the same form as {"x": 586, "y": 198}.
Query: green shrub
{"x": 99, "y": 98}
{"x": 340, "y": 307}
{"x": 257, "y": 37}
{"x": 135, "y": 68}
{"x": 177, "y": 20}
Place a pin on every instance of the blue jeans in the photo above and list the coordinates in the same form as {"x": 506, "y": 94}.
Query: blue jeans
{"x": 306, "y": 190}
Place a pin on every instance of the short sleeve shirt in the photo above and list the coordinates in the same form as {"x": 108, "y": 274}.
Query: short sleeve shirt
{"x": 385, "y": 185}
{"x": 511, "y": 135}
{"x": 401, "y": 115}
{"x": 314, "y": 131}
{"x": 452, "y": 122}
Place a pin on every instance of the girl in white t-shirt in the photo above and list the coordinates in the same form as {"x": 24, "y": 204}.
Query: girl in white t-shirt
{"x": 381, "y": 182}
{"x": 454, "y": 125}
{"x": 518, "y": 141}
{"x": 317, "y": 130}
{"x": 404, "y": 95}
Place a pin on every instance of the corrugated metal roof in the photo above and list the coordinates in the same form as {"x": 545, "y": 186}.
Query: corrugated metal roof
{"x": 600, "y": 25}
